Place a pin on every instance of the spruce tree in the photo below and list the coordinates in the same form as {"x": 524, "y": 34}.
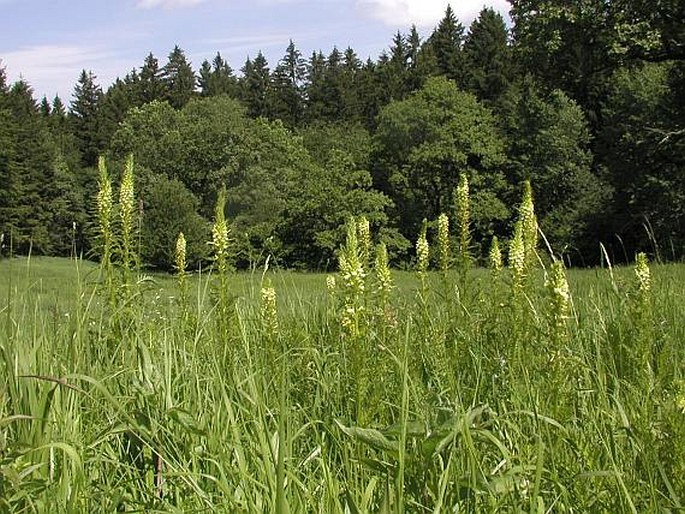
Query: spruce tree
{"x": 333, "y": 86}
{"x": 26, "y": 171}
{"x": 151, "y": 85}
{"x": 414, "y": 78}
{"x": 488, "y": 56}
{"x": 65, "y": 209}
{"x": 204, "y": 79}
{"x": 255, "y": 86}
{"x": 397, "y": 71}
{"x": 45, "y": 108}
{"x": 83, "y": 117}
{"x": 3, "y": 80}
{"x": 370, "y": 94}
{"x": 216, "y": 78}
{"x": 8, "y": 175}
{"x": 179, "y": 78}
{"x": 58, "y": 109}
{"x": 352, "y": 103}
{"x": 119, "y": 98}
{"x": 314, "y": 88}
{"x": 446, "y": 43}
{"x": 225, "y": 82}
{"x": 61, "y": 136}
{"x": 286, "y": 92}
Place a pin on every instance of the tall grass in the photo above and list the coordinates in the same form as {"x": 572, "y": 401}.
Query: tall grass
{"x": 566, "y": 420}
{"x": 555, "y": 391}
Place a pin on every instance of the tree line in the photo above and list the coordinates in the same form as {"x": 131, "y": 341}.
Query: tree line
{"x": 585, "y": 100}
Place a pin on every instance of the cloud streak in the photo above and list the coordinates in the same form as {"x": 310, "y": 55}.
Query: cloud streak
{"x": 424, "y": 13}
{"x": 167, "y": 4}
{"x": 54, "y": 69}
{"x": 260, "y": 41}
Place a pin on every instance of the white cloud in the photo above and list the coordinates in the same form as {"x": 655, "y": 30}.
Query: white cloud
{"x": 167, "y": 4}
{"x": 426, "y": 13}
{"x": 259, "y": 41}
{"x": 54, "y": 69}
{"x": 253, "y": 40}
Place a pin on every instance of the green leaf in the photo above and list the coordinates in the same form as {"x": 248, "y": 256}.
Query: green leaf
{"x": 371, "y": 437}
{"x": 414, "y": 429}
{"x": 186, "y": 420}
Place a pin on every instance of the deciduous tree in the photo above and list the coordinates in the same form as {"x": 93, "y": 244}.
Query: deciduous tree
{"x": 425, "y": 142}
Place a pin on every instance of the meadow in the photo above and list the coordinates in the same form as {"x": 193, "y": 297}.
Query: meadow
{"x": 450, "y": 388}
{"x": 384, "y": 392}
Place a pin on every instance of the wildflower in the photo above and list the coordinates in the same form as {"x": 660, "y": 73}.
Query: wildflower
{"x": 352, "y": 274}
{"x": 104, "y": 201}
{"x": 330, "y": 284}
{"x": 463, "y": 220}
{"x": 126, "y": 198}
{"x": 347, "y": 320}
{"x": 269, "y": 313}
{"x": 220, "y": 233}
{"x": 422, "y": 251}
{"x": 495, "y": 257}
{"x": 127, "y": 211}
{"x": 444, "y": 241}
{"x": 560, "y": 298}
{"x": 644, "y": 279}
{"x": 353, "y": 279}
{"x": 181, "y": 254}
{"x": 364, "y": 240}
{"x": 529, "y": 224}
{"x": 350, "y": 263}
{"x": 643, "y": 315}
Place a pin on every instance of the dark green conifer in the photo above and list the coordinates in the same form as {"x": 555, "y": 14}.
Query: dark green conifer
{"x": 179, "y": 78}
{"x": 83, "y": 117}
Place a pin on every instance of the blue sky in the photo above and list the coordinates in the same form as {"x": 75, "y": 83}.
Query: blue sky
{"x": 48, "y": 42}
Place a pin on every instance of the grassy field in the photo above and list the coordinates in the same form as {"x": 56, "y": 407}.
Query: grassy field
{"x": 446, "y": 393}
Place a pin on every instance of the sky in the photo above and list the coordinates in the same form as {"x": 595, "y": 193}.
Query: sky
{"x": 49, "y": 42}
